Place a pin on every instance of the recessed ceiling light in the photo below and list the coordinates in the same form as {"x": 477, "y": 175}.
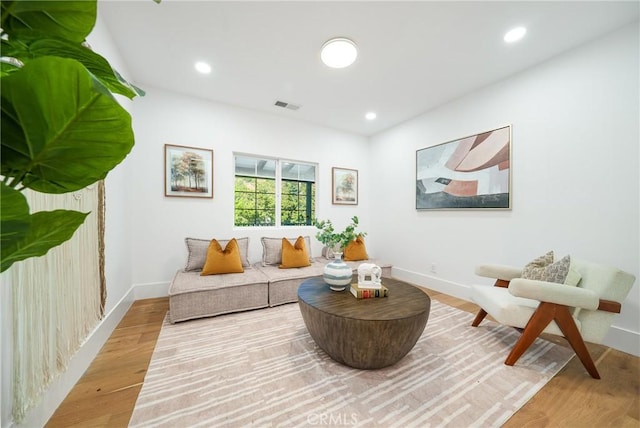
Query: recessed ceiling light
{"x": 339, "y": 53}
{"x": 203, "y": 67}
{"x": 515, "y": 34}
{"x": 370, "y": 116}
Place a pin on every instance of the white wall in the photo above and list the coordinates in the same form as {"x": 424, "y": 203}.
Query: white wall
{"x": 575, "y": 175}
{"x": 161, "y": 223}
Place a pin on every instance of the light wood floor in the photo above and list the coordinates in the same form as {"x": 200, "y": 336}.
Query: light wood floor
{"x": 107, "y": 392}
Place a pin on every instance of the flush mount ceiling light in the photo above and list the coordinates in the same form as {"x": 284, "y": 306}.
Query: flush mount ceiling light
{"x": 370, "y": 116}
{"x": 515, "y": 34}
{"x": 203, "y": 67}
{"x": 339, "y": 53}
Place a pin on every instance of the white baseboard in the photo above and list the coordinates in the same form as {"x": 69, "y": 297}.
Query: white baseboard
{"x": 434, "y": 283}
{"x": 623, "y": 340}
{"x": 58, "y": 389}
{"x": 618, "y": 338}
{"x": 151, "y": 290}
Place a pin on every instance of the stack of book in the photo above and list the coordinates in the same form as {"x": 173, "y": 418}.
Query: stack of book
{"x": 368, "y": 293}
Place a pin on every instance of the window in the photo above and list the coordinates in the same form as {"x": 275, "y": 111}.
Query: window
{"x": 274, "y": 192}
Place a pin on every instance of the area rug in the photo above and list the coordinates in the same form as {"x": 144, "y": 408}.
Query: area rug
{"x": 261, "y": 368}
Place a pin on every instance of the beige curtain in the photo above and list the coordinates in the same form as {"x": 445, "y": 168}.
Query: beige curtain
{"x": 58, "y": 298}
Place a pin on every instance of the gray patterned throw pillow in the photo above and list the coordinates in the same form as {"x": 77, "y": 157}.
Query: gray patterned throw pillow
{"x": 544, "y": 269}
{"x": 537, "y": 263}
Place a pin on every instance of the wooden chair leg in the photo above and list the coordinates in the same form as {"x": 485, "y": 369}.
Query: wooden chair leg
{"x": 537, "y": 323}
{"x": 481, "y": 314}
{"x": 540, "y": 319}
{"x": 568, "y": 327}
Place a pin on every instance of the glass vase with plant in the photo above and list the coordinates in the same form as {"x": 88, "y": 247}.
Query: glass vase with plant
{"x": 336, "y": 241}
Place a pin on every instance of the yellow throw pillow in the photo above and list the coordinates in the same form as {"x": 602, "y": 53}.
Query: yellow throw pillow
{"x": 294, "y": 256}
{"x": 222, "y": 261}
{"x": 356, "y": 250}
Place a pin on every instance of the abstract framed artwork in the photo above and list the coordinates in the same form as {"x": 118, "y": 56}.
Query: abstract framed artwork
{"x": 473, "y": 172}
{"x": 344, "y": 186}
{"x": 188, "y": 172}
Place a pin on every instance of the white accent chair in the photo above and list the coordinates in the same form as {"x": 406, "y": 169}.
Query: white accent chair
{"x": 582, "y": 313}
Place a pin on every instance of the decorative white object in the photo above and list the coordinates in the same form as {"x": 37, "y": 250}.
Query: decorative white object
{"x": 369, "y": 276}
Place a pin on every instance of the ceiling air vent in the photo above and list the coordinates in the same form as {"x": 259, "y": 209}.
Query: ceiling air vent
{"x": 287, "y": 105}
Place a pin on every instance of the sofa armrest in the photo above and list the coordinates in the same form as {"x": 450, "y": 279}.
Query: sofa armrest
{"x": 552, "y": 292}
{"x": 506, "y": 273}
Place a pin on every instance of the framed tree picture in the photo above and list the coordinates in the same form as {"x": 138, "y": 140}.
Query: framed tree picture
{"x": 188, "y": 172}
{"x": 344, "y": 186}
{"x": 473, "y": 172}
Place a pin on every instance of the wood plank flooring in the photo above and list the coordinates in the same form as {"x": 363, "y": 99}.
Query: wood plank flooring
{"x": 106, "y": 394}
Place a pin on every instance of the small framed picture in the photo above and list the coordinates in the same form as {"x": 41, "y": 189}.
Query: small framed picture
{"x": 188, "y": 172}
{"x": 345, "y": 186}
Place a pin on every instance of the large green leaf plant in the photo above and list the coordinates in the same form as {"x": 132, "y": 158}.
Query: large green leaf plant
{"x": 62, "y": 129}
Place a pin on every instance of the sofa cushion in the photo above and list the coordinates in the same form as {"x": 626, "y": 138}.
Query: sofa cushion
{"x": 197, "y": 252}
{"x": 188, "y": 282}
{"x": 284, "y": 283}
{"x": 272, "y": 250}
{"x": 573, "y": 277}
{"x": 194, "y": 296}
{"x": 294, "y": 256}
{"x": 221, "y": 261}
{"x": 356, "y": 250}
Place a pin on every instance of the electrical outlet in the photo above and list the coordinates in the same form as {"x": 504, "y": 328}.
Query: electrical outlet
{"x": 433, "y": 268}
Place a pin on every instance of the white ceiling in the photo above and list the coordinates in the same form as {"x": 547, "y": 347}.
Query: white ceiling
{"x": 412, "y": 56}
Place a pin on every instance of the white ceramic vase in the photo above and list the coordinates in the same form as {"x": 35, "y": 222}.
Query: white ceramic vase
{"x": 337, "y": 273}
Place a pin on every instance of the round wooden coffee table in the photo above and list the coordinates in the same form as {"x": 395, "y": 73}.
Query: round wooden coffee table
{"x": 364, "y": 333}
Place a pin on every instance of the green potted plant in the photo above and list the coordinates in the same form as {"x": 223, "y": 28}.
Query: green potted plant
{"x": 335, "y": 242}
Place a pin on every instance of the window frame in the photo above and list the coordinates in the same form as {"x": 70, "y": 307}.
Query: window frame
{"x": 278, "y": 190}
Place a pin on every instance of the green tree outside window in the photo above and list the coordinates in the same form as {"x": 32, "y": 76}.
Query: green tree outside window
{"x": 256, "y": 192}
